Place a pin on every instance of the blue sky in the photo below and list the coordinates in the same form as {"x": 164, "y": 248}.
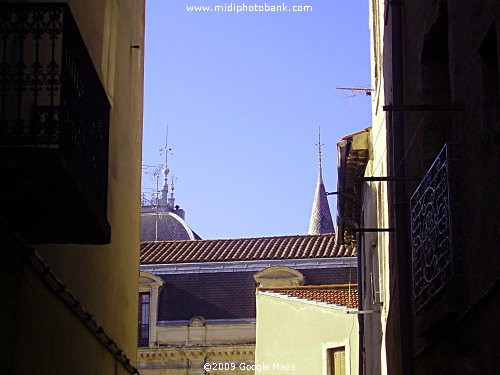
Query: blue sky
{"x": 243, "y": 96}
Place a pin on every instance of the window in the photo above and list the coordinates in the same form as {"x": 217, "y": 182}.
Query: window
{"x": 489, "y": 83}
{"x": 336, "y": 361}
{"x": 144, "y": 309}
{"x": 436, "y": 87}
{"x": 149, "y": 286}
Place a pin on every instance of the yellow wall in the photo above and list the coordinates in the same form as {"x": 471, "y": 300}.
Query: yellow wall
{"x": 48, "y": 338}
{"x": 375, "y": 254}
{"x": 296, "y": 333}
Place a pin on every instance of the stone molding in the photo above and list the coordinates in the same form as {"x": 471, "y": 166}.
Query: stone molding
{"x": 246, "y": 351}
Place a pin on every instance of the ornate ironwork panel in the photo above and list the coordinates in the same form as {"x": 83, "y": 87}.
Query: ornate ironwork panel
{"x": 432, "y": 230}
{"x": 50, "y": 93}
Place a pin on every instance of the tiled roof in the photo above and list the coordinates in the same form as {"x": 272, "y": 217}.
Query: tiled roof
{"x": 165, "y": 226}
{"x": 245, "y": 249}
{"x": 340, "y": 295}
{"x": 366, "y": 130}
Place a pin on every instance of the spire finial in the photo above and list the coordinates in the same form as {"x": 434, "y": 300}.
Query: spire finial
{"x": 172, "y": 187}
{"x": 164, "y": 190}
{"x": 319, "y": 144}
{"x": 171, "y": 200}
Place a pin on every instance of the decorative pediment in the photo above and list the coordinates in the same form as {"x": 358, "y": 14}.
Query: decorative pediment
{"x": 148, "y": 279}
{"x": 278, "y": 276}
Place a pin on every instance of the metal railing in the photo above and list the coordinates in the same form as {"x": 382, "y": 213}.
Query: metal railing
{"x": 50, "y": 93}
{"x": 432, "y": 235}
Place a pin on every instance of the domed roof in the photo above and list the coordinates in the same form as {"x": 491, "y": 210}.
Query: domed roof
{"x": 165, "y": 226}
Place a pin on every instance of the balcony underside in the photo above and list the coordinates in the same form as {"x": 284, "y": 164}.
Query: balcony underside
{"x": 45, "y": 199}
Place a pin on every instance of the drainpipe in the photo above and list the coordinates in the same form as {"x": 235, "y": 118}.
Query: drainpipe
{"x": 400, "y": 205}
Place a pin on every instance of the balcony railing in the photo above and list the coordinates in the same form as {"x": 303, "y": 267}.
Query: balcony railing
{"x": 51, "y": 97}
{"x": 432, "y": 234}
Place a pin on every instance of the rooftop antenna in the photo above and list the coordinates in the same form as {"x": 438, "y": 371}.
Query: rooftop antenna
{"x": 356, "y": 90}
{"x": 156, "y": 175}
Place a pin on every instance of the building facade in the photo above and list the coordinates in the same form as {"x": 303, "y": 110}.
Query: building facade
{"x": 307, "y": 330}
{"x": 429, "y": 187}
{"x": 70, "y": 156}
{"x": 197, "y": 297}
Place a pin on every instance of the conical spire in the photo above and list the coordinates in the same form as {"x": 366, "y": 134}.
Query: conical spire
{"x": 321, "y": 217}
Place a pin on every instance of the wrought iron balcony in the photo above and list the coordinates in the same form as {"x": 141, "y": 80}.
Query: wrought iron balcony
{"x": 54, "y": 124}
{"x": 432, "y": 230}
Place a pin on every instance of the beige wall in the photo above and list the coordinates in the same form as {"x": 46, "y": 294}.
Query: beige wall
{"x": 209, "y": 334}
{"x": 185, "y": 348}
{"x": 190, "y": 360}
{"x": 48, "y": 338}
{"x": 375, "y": 257}
{"x": 297, "y": 333}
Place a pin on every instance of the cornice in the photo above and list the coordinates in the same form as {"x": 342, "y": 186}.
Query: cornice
{"x": 252, "y": 266}
{"x": 194, "y": 352}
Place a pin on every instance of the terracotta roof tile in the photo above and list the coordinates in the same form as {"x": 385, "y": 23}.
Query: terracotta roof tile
{"x": 340, "y": 295}
{"x": 261, "y": 248}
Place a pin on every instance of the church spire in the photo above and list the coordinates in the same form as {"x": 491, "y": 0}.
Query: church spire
{"x": 321, "y": 217}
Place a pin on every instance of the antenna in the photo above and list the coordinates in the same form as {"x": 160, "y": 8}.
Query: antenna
{"x": 166, "y": 149}
{"x": 356, "y": 90}
{"x": 156, "y": 175}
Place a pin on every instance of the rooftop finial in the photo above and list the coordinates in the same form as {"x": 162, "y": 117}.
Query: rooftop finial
{"x": 164, "y": 190}
{"x": 171, "y": 200}
{"x": 319, "y": 144}
{"x": 172, "y": 187}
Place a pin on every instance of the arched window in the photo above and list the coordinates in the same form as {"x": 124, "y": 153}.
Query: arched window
{"x": 149, "y": 286}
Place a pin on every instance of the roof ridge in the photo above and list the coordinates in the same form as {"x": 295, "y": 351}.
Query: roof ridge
{"x": 345, "y": 295}
{"x": 249, "y": 238}
{"x": 253, "y": 248}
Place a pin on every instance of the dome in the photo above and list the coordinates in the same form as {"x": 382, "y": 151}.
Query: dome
{"x": 165, "y": 226}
